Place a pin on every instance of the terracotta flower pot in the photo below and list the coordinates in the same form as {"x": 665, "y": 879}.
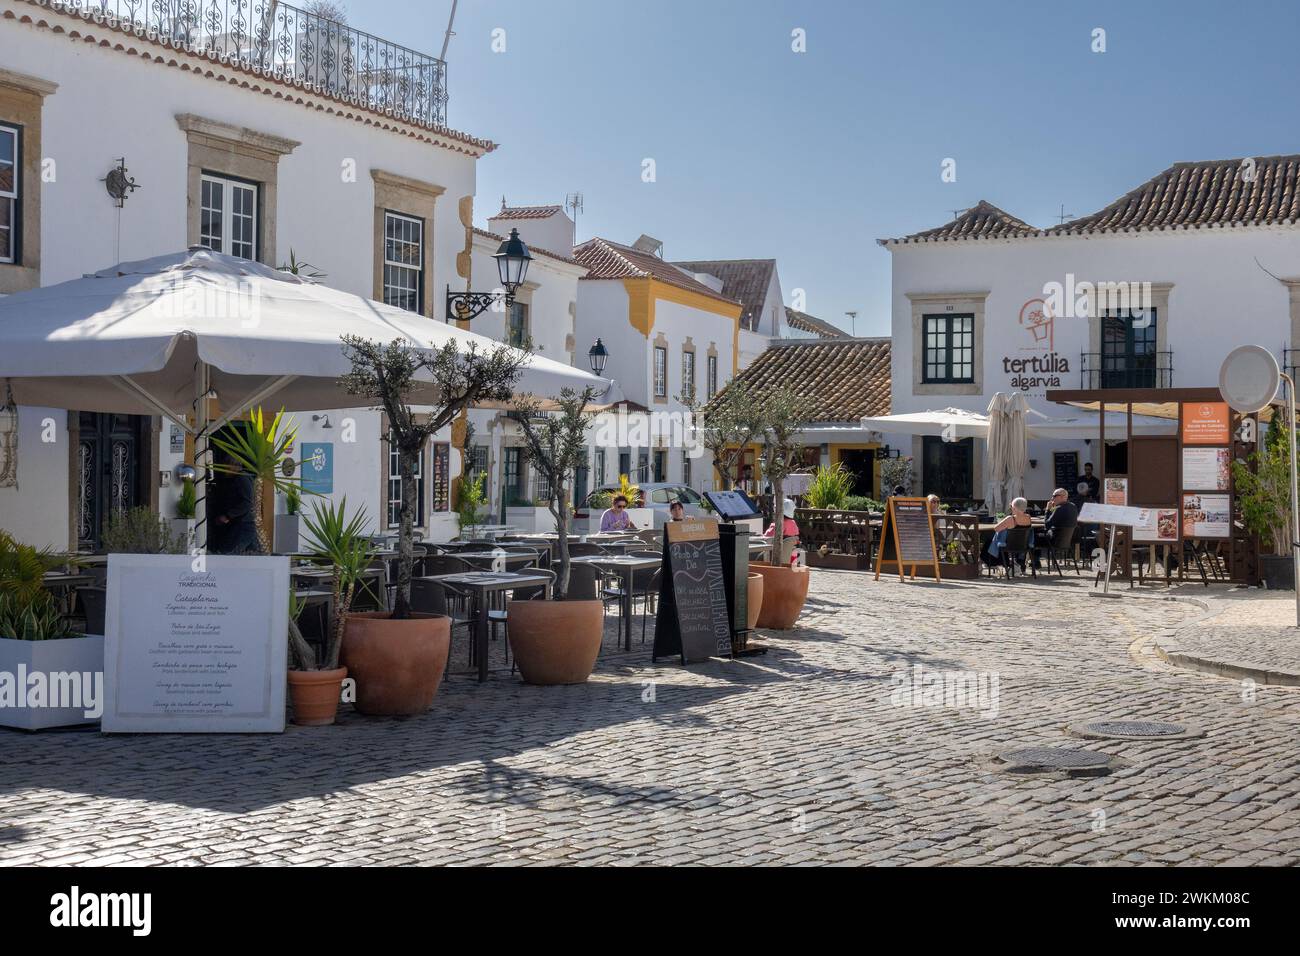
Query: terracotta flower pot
{"x": 555, "y": 642}
{"x": 398, "y": 665}
{"x": 315, "y": 696}
{"x": 784, "y": 591}
{"x": 754, "y": 602}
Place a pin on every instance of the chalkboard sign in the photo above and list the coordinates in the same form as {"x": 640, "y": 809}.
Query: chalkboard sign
{"x": 907, "y": 537}
{"x": 692, "y": 620}
{"x": 1065, "y": 468}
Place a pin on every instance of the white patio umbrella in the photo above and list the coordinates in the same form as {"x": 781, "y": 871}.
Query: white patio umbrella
{"x": 995, "y": 452}
{"x": 153, "y": 337}
{"x": 1086, "y": 425}
{"x": 958, "y": 423}
{"x": 1015, "y": 449}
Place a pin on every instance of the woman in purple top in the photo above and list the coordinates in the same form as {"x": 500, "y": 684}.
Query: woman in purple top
{"x": 616, "y": 517}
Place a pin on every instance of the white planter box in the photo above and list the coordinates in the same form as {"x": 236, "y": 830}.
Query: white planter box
{"x": 83, "y": 656}
{"x": 643, "y": 518}
{"x": 287, "y": 529}
{"x": 538, "y": 520}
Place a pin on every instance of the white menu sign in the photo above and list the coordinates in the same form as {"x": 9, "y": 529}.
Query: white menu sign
{"x": 195, "y": 645}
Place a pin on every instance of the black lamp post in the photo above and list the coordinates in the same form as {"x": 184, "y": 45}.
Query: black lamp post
{"x": 512, "y": 258}
{"x": 598, "y": 355}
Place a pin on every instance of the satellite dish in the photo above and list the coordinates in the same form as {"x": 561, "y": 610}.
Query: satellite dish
{"x": 1248, "y": 378}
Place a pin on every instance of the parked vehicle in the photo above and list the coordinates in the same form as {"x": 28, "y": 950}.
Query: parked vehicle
{"x": 655, "y": 495}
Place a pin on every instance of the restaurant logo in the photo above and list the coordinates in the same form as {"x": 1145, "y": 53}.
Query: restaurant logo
{"x": 1043, "y": 370}
{"x": 975, "y": 690}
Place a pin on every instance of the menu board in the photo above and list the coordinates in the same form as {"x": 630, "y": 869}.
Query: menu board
{"x": 1161, "y": 526}
{"x": 1206, "y": 468}
{"x": 195, "y": 644}
{"x": 1207, "y": 516}
{"x": 1065, "y": 469}
{"x": 732, "y": 505}
{"x": 441, "y": 476}
{"x": 1205, "y": 423}
{"x": 692, "y": 620}
{"x": 1093, "y": 513}
{"x": 907, "y": 537}
{"x": 1115, "y": 492}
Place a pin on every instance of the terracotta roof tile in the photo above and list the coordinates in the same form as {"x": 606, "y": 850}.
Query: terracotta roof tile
{"x": 1259, "y": 191}
{"x": 527, "y": 212}
{"x": 981, "y": 221}
{"x": 803, "y": 322}
{"x": 744, "y": 280}
{"x": 612, "y": 260}
{"x": 844, "y": 379}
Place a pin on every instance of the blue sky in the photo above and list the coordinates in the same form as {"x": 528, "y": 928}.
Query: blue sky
{"x": 810, "y": 157}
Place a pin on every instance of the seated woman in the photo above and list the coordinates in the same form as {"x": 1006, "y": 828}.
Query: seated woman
{"x": 789, "y": 531}
{"x": 1019, "y": 518}
{"x": 616, "y": 517}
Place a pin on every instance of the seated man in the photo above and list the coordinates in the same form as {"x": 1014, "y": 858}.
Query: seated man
{"x": 1061, "y": 515}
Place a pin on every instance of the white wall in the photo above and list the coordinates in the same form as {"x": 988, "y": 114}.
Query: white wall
{"x": 112, "y": 104}
{"x": 554, "y": 233}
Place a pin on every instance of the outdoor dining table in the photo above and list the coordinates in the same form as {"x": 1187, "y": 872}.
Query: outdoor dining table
{"x": 486, "y": 559}
{"x": 482, "y": 584}
{"x": 625, "y": 566}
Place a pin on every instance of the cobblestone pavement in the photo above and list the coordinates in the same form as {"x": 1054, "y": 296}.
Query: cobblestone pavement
{"x": 1247, "y": 633}
{"x": 795, "y": 757}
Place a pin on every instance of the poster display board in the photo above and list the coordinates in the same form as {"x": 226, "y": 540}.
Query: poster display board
{"x": 1160, "y": 527}
{"x": 1206, "y": 469}
{"x": 907, "y": 537}
{"x": 195, "y": 645}
{"x": 318, "y": 467}
{"x": 1114, "y": 492}
{"x": 1205, "y": 423}
{"x": 692, "y": 620}
{"x": 1207, "y": 516}
{"x": 1093, "y": 513}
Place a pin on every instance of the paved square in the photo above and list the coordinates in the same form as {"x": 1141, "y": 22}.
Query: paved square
{"x": 796, "y": 757}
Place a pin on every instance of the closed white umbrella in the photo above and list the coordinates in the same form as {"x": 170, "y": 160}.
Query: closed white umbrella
{"x": 995, "y": 452}
{"x": 1015, "y": 445}
{"x": 154, "y": 336}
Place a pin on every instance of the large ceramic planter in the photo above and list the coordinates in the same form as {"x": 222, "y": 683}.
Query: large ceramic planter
{"x": 784, "y": 591}
{"x": 81, "y": 659}
{"x": 397, "y": 665}
{"x": 1277, "y": 572}
{"x": 315, "y": 696}
{"x": 754, "y": 600}
{"x": 555, "y": 642}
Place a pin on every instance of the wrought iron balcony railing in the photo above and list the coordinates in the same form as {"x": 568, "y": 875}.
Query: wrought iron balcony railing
{"x": 1147, "y": 370}
{"x": 289, "y": 43}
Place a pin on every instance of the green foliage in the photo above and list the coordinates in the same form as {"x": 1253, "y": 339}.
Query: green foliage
{"x": 729, "y": 424}
{"x": 34, "y": 620}
{"x": 829, "y": 487}
{"x": 1264, "y": 494}
{"x": 140, "y": 531}
{"x": 471, "y": 497}
{"x": 861, "y": 503}
{"x": 895, "y": 472}
{"x": 341, "y": 541}
{"x": 304, "y": 270}
{"x": 293, "y": 498}
{"x": 782, "y": 413}
{"x": 259, "y": 449}
{"x": 601, "y": 500}
{"x": 28, "y": 612}
{"x": 187, "y": 504}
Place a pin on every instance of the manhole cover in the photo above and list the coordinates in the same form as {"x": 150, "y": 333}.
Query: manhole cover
{"x": 1134, "y": 730}
{"x": 1058, "y": 760}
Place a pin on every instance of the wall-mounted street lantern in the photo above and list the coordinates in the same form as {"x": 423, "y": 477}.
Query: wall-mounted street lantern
{"x": 512, "y": 268}
{"x": 598, "y": 355}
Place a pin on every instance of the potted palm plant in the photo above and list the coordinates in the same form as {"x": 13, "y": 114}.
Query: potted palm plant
{"x": 398, "y": 657}
{"x": 557, "y": 642}
{"x": 1264, "y": 495}
{"x": 37, "y": 639}
{"x": 258, "y": 448}
{"x": 782, "y": 414}
{"x": 315, "y": 679}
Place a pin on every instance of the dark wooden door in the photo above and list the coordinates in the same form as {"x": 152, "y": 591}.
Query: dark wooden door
{"x": 111, "y": 477}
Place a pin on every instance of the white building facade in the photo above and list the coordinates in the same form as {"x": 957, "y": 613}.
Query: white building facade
{"x": 377, "y": 195}
{"x": 1151, "y": 292}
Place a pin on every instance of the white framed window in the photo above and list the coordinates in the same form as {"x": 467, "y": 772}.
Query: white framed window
{"x": 688, "y": 374}
{"x": 661, "y": 372}
{"x": 712, "y": 384}
{"x": 404, "y": 261}
{"x": 9, "y": 165}
{"x": 517, "y": 332}
{"x": 228, "y": 216}
{"x": 395, "y": 489}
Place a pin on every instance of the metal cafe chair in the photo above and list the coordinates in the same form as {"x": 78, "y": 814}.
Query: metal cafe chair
{"x": 1016, "y": 550}
{"x": 582, "y": 549}
{"x": 1061, "y": 548}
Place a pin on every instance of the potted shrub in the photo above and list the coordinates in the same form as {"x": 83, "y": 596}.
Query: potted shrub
{"x": 471, "y": 497}
{"x": 316, "y": 680}
{"x": 398, "y": 657}
{"x": 1264, "y": 496}
{"x": 259, "y": 448}
{"x": 288, "y": 526}
{"x": 782, "y": 414}
{"x": 36, "y": 639}
{"x": 557, "y": 642}
{"x": 186, "y": 511}
{"x": 729, "y": 424}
